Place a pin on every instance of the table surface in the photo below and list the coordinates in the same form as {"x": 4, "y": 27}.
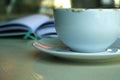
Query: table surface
{"x": 19, "y": 60}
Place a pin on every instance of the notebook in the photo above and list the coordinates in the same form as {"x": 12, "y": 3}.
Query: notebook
{"x": 32, "y": 26}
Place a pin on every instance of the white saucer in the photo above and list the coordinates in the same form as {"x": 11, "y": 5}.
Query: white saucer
{"x": 55, "y": 47}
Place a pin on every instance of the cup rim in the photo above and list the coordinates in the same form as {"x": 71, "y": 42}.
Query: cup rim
{"x": 86, "y": 9}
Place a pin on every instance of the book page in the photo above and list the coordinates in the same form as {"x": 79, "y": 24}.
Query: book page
{"x": 32, "y": 22}
{"x": 46, "y": 30}
{"x": 40, "y": 25}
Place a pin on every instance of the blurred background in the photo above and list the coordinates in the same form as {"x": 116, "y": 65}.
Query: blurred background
{"x": 10, "y": 9}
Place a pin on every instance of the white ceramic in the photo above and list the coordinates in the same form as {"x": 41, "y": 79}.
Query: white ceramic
{"x": 55, "y": 47}
{"x": 87, "y": 30}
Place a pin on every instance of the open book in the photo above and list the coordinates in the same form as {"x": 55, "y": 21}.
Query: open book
{"x": 33, "y": 26}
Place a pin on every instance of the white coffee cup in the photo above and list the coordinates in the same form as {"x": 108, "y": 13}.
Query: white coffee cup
{"x": 87, "y": 30}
